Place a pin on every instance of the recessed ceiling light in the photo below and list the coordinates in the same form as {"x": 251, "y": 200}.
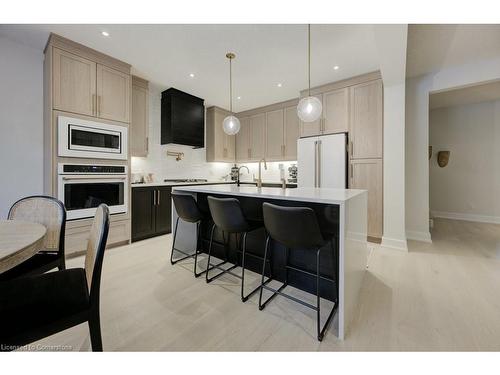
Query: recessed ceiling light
{"x": 104, "y": 33}
{"x": 279, "y": 85}
{"x": 336, "y": 67}
{"x": 191, "y": 75}
{"x": 239, "y": 97}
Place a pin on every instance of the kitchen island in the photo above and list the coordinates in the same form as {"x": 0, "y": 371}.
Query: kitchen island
{"x": 342, "y": 216}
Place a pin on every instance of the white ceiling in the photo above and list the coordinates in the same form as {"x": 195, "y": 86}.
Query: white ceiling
{"x": 467, "y": 95}
{"x": 265, "y": 55}
{"x": 433, "y": 47}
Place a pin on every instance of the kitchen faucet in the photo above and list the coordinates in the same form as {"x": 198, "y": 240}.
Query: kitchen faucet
{"x": 238, "y": 175}
{"x": 259, "y": 180}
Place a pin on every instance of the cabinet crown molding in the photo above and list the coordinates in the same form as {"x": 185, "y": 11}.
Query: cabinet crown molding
{"x": 141, "y": 82}
{"x": 352, "y": 81}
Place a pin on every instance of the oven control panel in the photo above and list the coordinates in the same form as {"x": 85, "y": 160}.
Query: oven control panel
{"x": 91, "y": 169}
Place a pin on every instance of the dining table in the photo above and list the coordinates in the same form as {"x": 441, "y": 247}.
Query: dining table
{"x": 19, "y": 241}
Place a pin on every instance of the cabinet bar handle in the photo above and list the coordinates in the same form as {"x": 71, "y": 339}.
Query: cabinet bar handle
{"x": 352, "y": 149}
{"x": 158, "y": 195}
{"x": 352, "y": 172}
{"x": 147, "y": 144}
{"x": 99, "y": 104}
{"x": 154, "y": 197}
{"x": 93, "y": 104}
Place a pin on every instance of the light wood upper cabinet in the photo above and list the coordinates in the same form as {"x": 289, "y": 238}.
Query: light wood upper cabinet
{"x": 242, "y": 140}
{"x": 139, "y": 126}
{"x": 368, "y": 174}
{"x": 366, "y": 120}
{"x": 256, "y": 136}
{"x": 113, "y": 94}
{"x": 220, "y": 146}
{"x": 274, "y": 135}
{"x": 309, "y": 129}
{"x": 74, "y": 83}
{"x": 291, "y": 130}
{"x": 336, "y": 111}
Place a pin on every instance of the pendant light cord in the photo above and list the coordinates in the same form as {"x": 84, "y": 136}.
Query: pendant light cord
{"x": 231, "y": 86}
{"x": 309, "y": 57}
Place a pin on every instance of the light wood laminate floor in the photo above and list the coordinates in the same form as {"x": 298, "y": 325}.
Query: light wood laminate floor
{"x": 439, "y": 296}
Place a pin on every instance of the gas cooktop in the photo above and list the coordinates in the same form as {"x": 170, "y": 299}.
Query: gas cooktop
{"x": 186, "y": 180}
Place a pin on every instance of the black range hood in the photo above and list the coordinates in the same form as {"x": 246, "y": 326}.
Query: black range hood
{"x": 182, "y": 119}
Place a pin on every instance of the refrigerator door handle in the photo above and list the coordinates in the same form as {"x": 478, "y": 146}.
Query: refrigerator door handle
{"x": 319, "y": 163}
{"x": 315, "y": 163}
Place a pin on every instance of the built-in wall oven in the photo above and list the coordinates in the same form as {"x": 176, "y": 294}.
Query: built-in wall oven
{"x": 89, "y": 139}
{"x": 83, "y": 187}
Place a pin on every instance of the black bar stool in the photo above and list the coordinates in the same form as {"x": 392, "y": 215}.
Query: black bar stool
{"x": 187, "y": 210}
{"x": 297, "y": 227}
{"x": 228, "y": 217}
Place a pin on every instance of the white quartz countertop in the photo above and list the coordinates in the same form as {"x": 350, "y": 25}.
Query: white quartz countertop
{"x": 181, "y": 183}
{"x": 318, "y": 195}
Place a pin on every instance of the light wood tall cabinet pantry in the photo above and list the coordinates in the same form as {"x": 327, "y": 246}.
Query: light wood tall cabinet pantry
{"x": 220, "y": 146}
{"x": 82, "y": 83}
{"x": 366, "y": 149}
{"x": 139, "y": 125}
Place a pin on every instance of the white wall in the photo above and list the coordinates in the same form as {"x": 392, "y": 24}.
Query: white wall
{"x": 391, "y": 41}
{"x": 417, "y": 134}
{"x": 194, "y": 164}
{"x": 394, "y": 167}
{"x": 469, "y": 186}
{"x": 21, "y": 122}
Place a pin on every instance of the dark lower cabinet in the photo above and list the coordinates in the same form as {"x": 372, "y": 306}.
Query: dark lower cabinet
{"x": 151, "y": 211}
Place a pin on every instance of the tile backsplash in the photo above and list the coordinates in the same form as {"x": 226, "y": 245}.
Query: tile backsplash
{"x": 193, "y": 164}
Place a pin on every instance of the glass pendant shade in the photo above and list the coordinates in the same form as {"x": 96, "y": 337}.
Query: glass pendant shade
{"x": 231, "y": 125}
{"x": 309, "y": 109}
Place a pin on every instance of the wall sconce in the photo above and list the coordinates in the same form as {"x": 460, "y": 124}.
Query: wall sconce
{"x": 443, "y": 158}
{"x": 178, "y": 155}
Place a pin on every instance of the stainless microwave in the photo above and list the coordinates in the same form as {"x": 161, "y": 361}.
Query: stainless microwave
{"x": 89, "y": 139}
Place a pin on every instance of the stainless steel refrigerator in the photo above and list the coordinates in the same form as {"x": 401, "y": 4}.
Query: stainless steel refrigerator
{"x": 322, "y": 161}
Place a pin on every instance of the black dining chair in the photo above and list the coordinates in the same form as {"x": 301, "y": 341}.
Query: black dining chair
{"x": 228, "y": 217}
{"x": 38, "y": 306}
{"x": 51, "y": 213}
{"x": 297, "y": 227}
{"x": 187, "y": 210}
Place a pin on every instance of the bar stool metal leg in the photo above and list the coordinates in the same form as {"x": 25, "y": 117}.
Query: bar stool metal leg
{"x": 243, "y": 252}
{"x": 194, "y": 255}
{"x": 198, "y": 251}
{"x": 321, "y": 331}
{"x": 211, "y": 266}
{"x": 263, "y": 283}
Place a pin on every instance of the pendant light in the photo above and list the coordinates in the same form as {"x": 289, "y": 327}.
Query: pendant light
{"x": 309, "y": 108}
{"x": 231, "y": 124}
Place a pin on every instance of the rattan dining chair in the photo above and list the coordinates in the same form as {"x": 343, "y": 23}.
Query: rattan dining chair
{"x": 38, "y": 306}
{"x": 51, "y": 213}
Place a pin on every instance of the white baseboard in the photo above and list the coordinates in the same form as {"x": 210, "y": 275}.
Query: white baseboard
{"x": 394, "y": 244}
{"x": 418, "y": 236}
{"x": 466, "y": 217}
